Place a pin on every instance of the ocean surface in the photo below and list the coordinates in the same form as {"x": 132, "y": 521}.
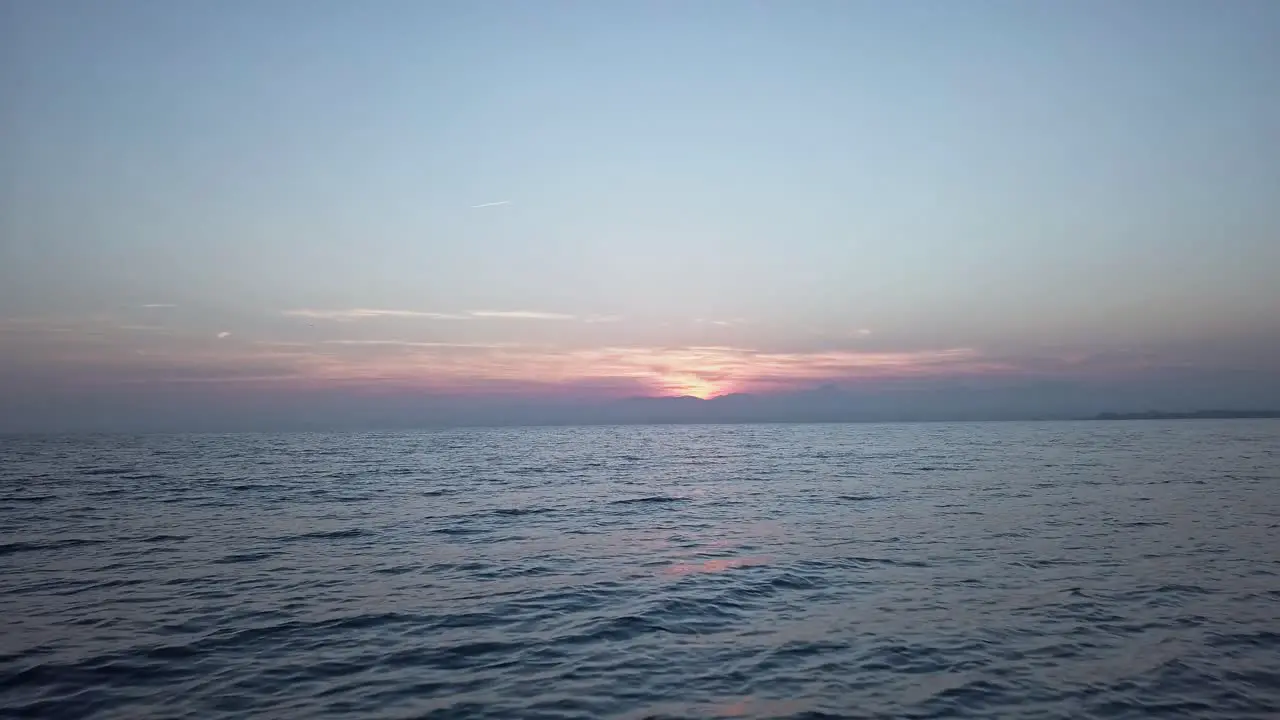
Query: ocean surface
{"x": 986, "y": 570}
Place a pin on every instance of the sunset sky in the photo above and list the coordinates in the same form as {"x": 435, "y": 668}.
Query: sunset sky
{"x": 593, "y": 200}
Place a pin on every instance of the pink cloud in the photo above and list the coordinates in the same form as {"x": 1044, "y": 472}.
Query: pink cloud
{"x": 699, "y": 370}
{"x": 702, "y": 371}
{"x": 480, "y": 366}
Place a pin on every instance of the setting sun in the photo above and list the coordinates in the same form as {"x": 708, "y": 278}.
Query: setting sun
{"x": 691, "y": 385}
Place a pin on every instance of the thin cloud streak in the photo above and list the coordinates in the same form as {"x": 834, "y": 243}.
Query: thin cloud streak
{"x": 521, "y": 315}
{"x": 704, "y": 371}
{"x": 721, "y": 323}
{"x": 701, "y": 371}
{"x": 417, "y": 344}
{"x": 491, "y": 204}
{"x": 372, "y": 366}
{"x": 370, "y": 313}
{"x": 159, "y": 305}
{"x": 458, "y": 365}
{"x": 367, "y": 313}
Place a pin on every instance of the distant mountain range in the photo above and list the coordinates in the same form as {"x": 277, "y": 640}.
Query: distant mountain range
{"x": 1197, "y": 415}
{"x": 908, "y": 401}
{"x": 1047, "y": 401}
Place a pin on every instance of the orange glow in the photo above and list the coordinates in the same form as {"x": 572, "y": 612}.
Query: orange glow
{"x": 432, "y": 366}
{"x": 734, "y": 709}
{"x": 692, "y": 385}
{"x": 715, "y": 566}
{"x": 702, "y": 372}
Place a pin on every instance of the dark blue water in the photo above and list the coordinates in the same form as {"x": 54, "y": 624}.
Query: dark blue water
{"x": 1058, "y": 570}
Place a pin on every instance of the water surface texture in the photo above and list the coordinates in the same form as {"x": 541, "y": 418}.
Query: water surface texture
{"x": 996, "y": 570}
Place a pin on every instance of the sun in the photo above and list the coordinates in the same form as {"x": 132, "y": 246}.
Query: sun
{"x": 691, "y": 385}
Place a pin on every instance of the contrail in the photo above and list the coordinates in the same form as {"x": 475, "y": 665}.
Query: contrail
{"x": 492, "y": 204}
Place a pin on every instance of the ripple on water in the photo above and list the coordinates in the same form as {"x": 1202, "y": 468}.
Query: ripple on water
{"x": 970, "y": 571}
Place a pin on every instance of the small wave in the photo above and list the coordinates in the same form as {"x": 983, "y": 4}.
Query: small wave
{"x": 914, "y": 658}
{"x": 1260, "y": 639}
{"x": 468, "y": 567}
{"x": 459, "y": 656}
{"x": 649, "y": 499}
{"x": 974, "y": 693}
{"x": 694, "y": 615}
{"x": 27, "y": 498}
{"x": 532, "y": 470}
{"x": 860, "y": 498}
{"x": 20, "y": 546}
{"x": 108, "y": 492}
{"x": 1182, "y": 590}
{"x": 466, "y": 620}
{"x": 616, "y": 629}
{"x": 107, "y": 471}
{"x": 210, "y": 503}
{"x": 1045, "y": 562}
{"x": 348, "y": 498}
{"x": 455, "y": 530}
{"x": 341, "y": 475}
{"x": 516, "y": 512}
{"x": 802, "y": 649}
{"x": 164, "y": 538}
{"x": 236, "y": 558}
{"x": 715, "y": 565}
{"x": 888, "y": 561}
{"x": 788, "y": 580}
{"x": 330, "y": 535}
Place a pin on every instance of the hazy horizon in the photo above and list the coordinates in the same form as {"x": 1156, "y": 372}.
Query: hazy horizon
{"x": 283, "y": 213}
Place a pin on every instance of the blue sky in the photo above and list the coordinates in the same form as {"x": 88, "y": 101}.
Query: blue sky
{"x": 697, "y": 197}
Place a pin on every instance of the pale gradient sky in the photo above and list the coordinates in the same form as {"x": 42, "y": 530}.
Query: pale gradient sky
{"x": 592, "y": 199}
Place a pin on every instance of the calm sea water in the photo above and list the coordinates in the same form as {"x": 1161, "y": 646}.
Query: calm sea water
{"x": 1057, "y": 570}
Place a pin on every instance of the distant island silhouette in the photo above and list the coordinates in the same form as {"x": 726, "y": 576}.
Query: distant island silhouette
{"x": 1196, "y": 415}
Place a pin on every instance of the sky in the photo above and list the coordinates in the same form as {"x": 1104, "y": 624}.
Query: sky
{"x": 286, "y": 208}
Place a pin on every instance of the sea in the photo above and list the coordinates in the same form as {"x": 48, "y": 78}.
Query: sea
{"x": 982, "y": 570}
